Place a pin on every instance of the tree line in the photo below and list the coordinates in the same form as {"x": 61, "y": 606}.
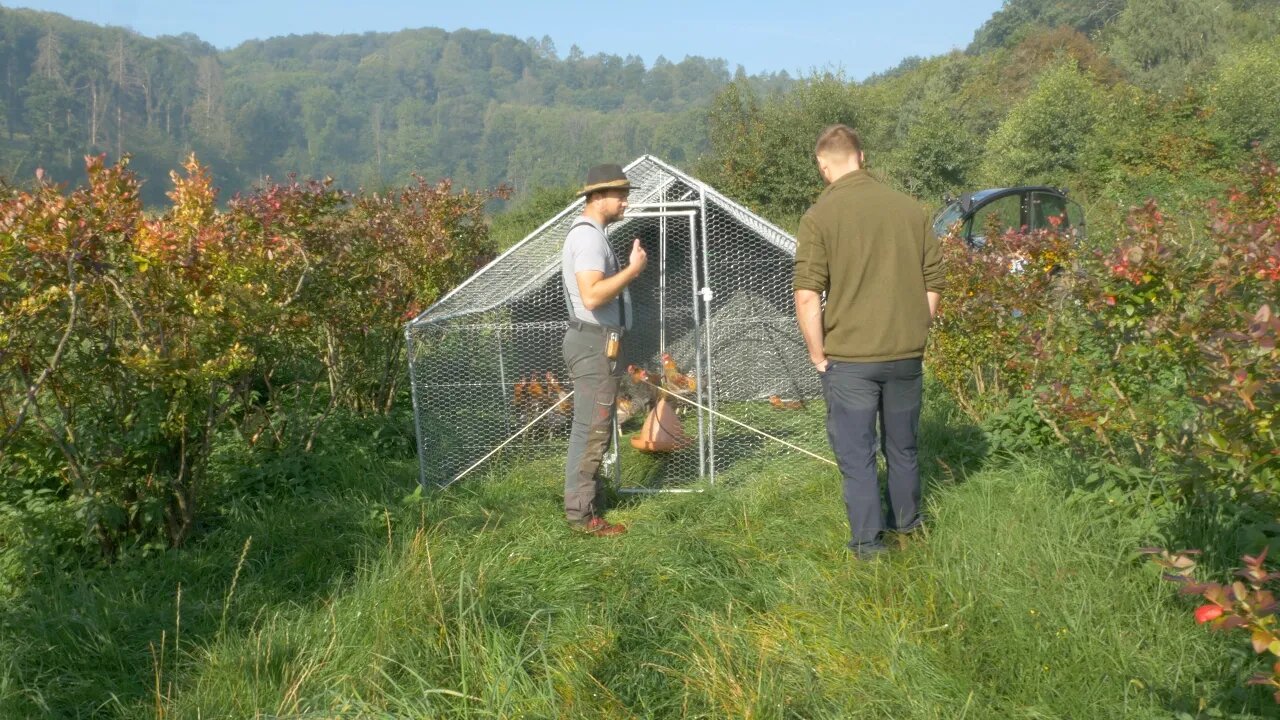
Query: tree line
{"x": 368, "y": 110}
{"x": 1117, "y": 99}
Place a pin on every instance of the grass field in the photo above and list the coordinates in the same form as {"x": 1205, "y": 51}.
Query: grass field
{"x": 344, "y": 595}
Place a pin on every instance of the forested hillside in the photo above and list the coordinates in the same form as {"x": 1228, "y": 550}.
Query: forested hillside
{"x": 1118, "y": 99}
{"x": 368, "y": 109}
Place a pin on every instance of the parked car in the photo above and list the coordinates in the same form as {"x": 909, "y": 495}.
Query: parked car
{"x": 1027, "y": 207}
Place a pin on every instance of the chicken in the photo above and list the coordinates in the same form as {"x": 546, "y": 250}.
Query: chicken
{"x": 557, "y": 393}
{"x": 524, "y": 403}
{"x": 535, "y": 389}
{"x": 626, "y": 409}
{"x": 519, "y": 395}
{"x": 781, "y": 404}
{"x": 553, "y": 383}
{"x": 639, "y": 395}
{"x": 638, "y": 375}
{"x": 556, "y": 423}
{"x": 673, "y": 379}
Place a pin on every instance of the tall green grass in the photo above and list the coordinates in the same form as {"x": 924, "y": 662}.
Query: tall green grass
{"x": 1024, "y": 599}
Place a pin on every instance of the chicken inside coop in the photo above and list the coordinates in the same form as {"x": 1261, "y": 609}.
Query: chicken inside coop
{"x": 785, "y": 404}
{"x": 533, "y": 394}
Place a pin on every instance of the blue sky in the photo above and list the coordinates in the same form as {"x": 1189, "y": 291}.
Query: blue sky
{"x": 859, "y": 37}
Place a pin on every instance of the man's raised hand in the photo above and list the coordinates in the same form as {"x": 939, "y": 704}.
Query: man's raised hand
{"x": 639, "y": 258}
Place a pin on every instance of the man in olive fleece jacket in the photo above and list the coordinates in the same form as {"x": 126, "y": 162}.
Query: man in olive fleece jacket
{"x": 871, "y": 250}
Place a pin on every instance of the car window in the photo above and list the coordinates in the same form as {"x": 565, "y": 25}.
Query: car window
{"x": 1049, "y": 205}
{"x": 998, "y": 215}
{"x": 1075, "y": 217}
{"x": 949, "y": 215}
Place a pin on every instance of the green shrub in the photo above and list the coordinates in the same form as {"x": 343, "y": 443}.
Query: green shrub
{"x": 1244, "y": 94}
{"x": 1160, "y": 350}
{"x": 129, "y": 342}
{"x": 1041, "y": 138}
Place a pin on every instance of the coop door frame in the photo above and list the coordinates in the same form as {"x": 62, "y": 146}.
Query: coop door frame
{"x": 694, "y": 212}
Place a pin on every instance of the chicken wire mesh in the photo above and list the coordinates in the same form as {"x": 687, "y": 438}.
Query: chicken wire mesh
{"x": 488, "y": 374}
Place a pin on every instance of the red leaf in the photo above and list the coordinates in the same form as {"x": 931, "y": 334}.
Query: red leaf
{"x": 1205, "y": 613}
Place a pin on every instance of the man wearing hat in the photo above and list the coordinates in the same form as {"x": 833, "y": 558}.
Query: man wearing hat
{"x": 595, "y": 292}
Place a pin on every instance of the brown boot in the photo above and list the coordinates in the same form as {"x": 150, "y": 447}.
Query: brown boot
{"x": 599, "y": 527}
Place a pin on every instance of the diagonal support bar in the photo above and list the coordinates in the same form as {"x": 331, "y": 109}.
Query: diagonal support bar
{"x": 743, "y": 425}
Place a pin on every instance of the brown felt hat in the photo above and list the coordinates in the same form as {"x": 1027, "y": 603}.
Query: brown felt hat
{"x": 605, "y": 177}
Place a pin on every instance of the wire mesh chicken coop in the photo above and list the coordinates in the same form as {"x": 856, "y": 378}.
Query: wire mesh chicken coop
{"x": 488, "y": 374}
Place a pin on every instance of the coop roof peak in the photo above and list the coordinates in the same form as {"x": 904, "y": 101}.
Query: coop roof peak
{"x": 530, "y": 262}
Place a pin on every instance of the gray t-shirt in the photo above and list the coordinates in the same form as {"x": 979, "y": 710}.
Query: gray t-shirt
{"x": 586, "y": 248}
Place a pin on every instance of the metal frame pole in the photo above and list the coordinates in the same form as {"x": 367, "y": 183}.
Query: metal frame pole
{"x": 502, "y": 368}
{"x": 703, "y": 424}
{"x": 662, "y": 281}
{"x": 689, "y": 212}
{"x": 706, "y": 294}
{"x": 417, "y": 424}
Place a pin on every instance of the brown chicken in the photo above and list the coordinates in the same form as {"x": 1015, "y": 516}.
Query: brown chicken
{"x": 524, "y": 403}
{"x": 781, "y": 404}
{"x": 638, "y": 375}
{"x": 553, "y": 384}
{"x": 519, "y": 393}
{"x": 639, "y": 394}
{"x": 675, "y": 380}
{"x": 535, "y": 390}
{"x": 557, "y": 393}
{"x": 626, "y": 408}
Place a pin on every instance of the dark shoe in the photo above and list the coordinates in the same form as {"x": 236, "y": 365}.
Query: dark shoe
{"x": 868, "y": 551}
{"x": 599, "y": 527}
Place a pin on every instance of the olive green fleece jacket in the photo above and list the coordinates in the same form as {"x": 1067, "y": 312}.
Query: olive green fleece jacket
{"x": 871, "y": 249}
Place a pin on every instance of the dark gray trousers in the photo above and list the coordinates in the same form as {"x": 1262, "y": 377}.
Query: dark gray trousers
{"x": 856, "y": 394}
{"x": 595, "y": 388}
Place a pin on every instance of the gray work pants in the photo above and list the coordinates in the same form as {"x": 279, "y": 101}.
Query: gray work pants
{"x": 856, "y": 394}
{"x": 595, "y": 388}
